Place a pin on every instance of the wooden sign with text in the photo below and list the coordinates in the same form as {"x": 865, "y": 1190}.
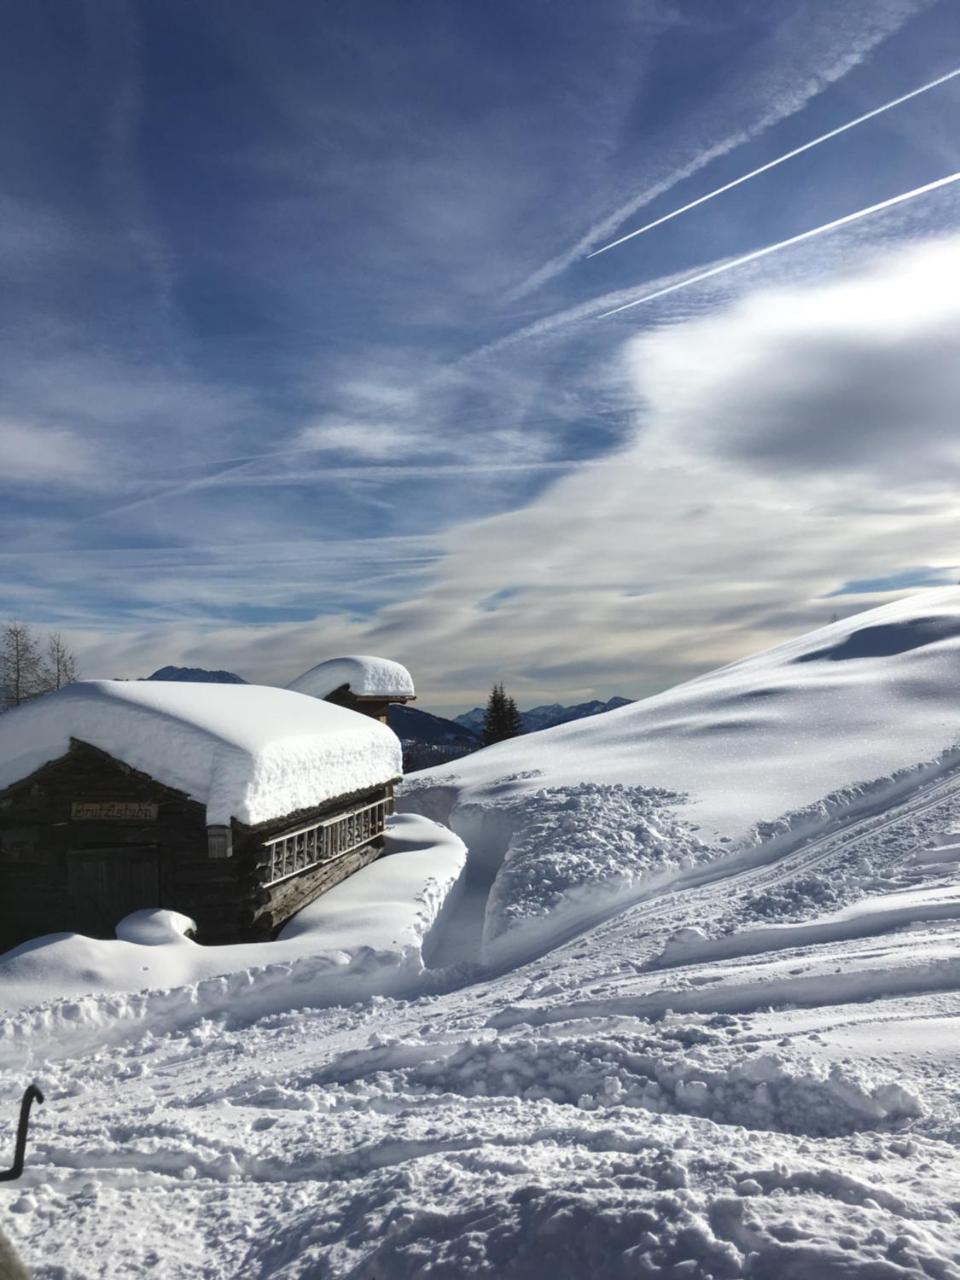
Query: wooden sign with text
{"x": 114, "y": 811}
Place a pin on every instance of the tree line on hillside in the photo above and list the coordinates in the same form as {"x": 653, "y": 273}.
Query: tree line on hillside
{"x": 31, "y": 666}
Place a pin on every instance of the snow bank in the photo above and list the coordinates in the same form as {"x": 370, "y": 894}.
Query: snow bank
{"x": 365, "y": 935}
{"x": 154, "y": 927}
{"x": 395, "y": 902}
{"x": 766, "y": 1091}
{"x": 577, "y": 851}
{"x": 244, "y": 751}
{"x": 366, "y": 676}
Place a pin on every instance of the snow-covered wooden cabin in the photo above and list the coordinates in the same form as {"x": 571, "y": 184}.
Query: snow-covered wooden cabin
{"x": 234, "y": 804}
{"x": 361, "y": 682}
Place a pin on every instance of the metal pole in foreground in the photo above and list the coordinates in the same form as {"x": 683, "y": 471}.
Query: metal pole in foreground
{"x": 31, "y": 1094}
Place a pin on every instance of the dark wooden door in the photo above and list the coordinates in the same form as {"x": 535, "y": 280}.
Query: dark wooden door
{"x": 106, "y": 884}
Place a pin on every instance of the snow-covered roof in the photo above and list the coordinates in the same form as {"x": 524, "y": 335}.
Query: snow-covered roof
{"x": 243, "y": 751}
{"x": 367, "y": 677}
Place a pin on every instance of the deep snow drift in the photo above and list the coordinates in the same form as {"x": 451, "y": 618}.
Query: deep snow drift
{"x": 739, "y": 1058}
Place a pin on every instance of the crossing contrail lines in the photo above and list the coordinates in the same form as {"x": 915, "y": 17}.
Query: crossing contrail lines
{"x": 772, "y": 164}
{"x": 784, "y": 244}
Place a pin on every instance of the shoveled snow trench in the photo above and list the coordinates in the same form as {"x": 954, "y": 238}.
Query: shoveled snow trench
{"x": 831, "y": 857}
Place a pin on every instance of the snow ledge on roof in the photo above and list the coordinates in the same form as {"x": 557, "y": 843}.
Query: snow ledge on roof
{"x": 367, "y": 677}
{"x": 244, "y": 751}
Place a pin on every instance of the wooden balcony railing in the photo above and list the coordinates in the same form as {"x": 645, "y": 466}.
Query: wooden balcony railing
{"x": 297, "y": 851}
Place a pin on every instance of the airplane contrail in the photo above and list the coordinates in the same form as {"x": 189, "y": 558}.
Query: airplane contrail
{"x": 784, "y": 244}
{"x": 772, "y": 164}
{"x": 416, "y": 471}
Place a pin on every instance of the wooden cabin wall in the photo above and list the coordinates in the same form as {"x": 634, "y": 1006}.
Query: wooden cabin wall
{"x": 45, "y": 847}
{"x": 375, "y": 708}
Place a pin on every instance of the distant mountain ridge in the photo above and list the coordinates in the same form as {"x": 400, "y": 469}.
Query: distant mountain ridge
{"x": 422, "y": 726}
{"x": 547, "y": 716}
{"x": 428, "y": 739}
{"x": 196, "y": 675}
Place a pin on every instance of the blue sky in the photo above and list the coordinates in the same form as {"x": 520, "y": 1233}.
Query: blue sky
{"x": 301, "y": 348}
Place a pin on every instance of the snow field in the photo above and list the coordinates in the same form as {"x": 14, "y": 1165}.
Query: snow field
{"x": 403, "y": 1138}
{"x": 575, "y": 849}
{"x": 689, "y": 1016}
{"x": 548, "y": 862}
{"x": 379, "y": 1141}
{"x": 664, "y": 1074}
{"x": 516, "y": 1128}
{"x": 871, "y": 916}
{"x": 801, "y": 730}
{"x": 545, "y": 864}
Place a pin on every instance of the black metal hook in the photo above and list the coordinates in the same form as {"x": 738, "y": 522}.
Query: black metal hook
{"x": 31, "y": 1094}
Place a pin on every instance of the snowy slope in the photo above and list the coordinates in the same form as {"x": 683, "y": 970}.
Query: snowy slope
{"x": 621, "y": 1108}
{"x": 736, "y": 1062}
{"x": 771, "y": 734}
{"x": 245, "y": 751}
{"x": 573, "y": 822}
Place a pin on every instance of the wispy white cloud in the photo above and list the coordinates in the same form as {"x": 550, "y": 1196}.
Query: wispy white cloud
{"x": 767, "y": 469}
{"x": 373, "y": 440}
{"x": 806, "y": 55}
{"x": 116, "y": 83}
{"x": 44, "y": 455}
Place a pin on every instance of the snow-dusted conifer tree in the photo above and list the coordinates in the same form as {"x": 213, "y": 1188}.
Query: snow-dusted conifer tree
{"x": 512, "y": 721}
{"x": 501, "y": 719}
